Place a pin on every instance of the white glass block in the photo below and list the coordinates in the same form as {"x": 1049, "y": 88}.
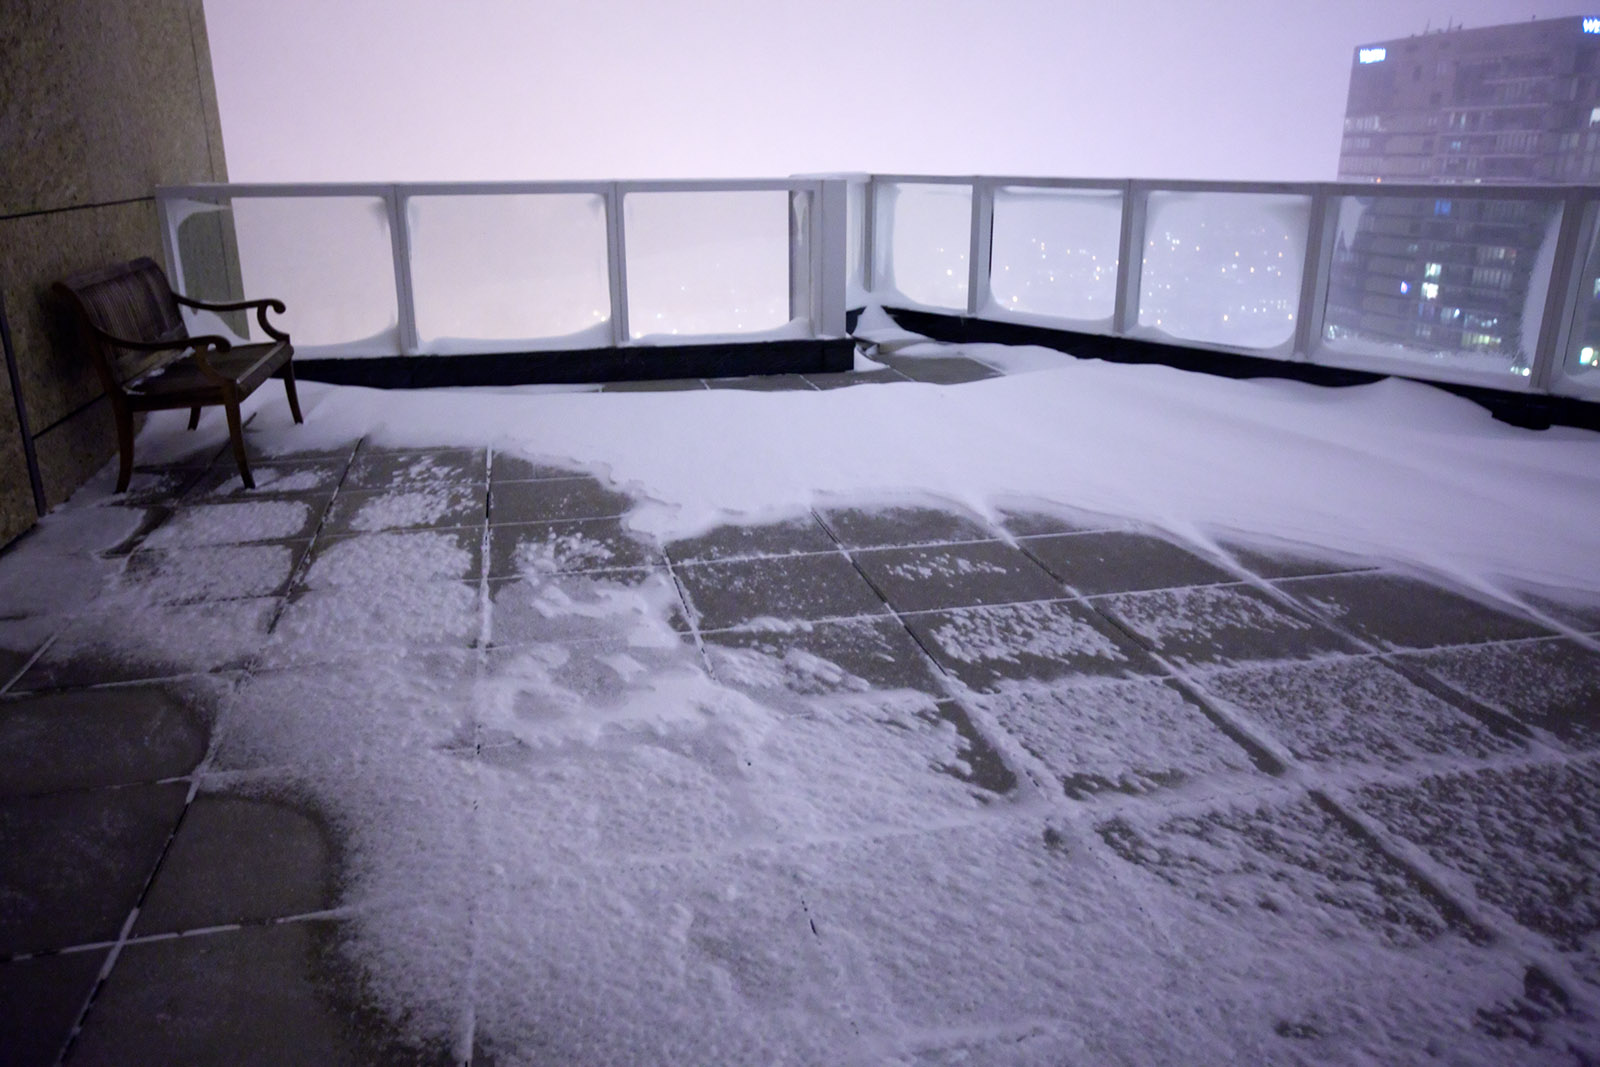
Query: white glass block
{"x": 923, "y": 235}
{"x": 330, "y": 260}
{"x": 1054, "y": 253}
{"x": 1443, "y": 285}
{"x": 1223, "y": 268}
{"x": 706, "y": 263}
{"x": 489, "y": 271}
{"x": 855, "y": 242}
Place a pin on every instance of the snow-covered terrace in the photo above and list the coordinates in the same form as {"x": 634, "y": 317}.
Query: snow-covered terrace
{"x": 979, "y": 704}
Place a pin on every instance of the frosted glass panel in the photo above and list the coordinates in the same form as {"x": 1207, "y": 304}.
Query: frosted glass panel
{"x": 1443, "y": 282}
{"x": 498, "y": 268}
{"x": 329, "y": 259}
{"x": 924, "y": 232}
{"x": 855, "y": 238}
{"x": 706, "y": 262}
{"x": 1223, "y": 268}
{"x": 1054, "y": 253}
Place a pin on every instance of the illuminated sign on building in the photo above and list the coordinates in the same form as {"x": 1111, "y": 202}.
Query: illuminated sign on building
{"x": 1376, "y": 55}
{"x": 1589, "y": 26}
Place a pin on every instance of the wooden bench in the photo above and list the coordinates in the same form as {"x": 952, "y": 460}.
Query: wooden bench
{"x": 129, "y": 321}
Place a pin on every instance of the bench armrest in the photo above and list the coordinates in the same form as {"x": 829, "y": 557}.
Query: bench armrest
{"x": 261, "y": 306}
{"x": 211, "y": 341}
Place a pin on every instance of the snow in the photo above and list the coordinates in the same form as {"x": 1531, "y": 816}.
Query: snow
{"x": 1394, "y": 469}
{"x": 622, "y": 841}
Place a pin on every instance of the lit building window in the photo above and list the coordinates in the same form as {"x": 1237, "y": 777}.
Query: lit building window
{"x": 1430, "y": 291}
{"x": 1431, "y": 270}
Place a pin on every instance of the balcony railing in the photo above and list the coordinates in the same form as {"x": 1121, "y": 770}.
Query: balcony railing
{"x": 1492, "y": 286}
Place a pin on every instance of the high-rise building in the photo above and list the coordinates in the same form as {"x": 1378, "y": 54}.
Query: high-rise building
{"x": 1513, "y": 103}
{"x": 1455, "y": 278}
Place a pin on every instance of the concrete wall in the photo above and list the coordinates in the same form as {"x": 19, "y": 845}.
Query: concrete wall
{"x": 99, "y": 104}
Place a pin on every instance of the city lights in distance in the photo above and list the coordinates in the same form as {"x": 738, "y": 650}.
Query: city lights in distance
{"x": 1378, "y": 55}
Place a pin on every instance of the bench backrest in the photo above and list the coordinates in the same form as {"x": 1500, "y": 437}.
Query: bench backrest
{"x": 129, "y": 300}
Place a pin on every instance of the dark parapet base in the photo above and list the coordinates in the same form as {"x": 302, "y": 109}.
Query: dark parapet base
{"x": 596, "y": 365}
{"x": 1534, "y": 412}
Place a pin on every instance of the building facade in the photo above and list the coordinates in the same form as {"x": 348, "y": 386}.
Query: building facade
{"x": 1460, "y": 279}
{"x": 1516, "y": 103}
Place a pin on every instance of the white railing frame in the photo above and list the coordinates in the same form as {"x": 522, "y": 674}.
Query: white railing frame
{"x": 1579, "y": 233}
{"x": 824, "y": 240}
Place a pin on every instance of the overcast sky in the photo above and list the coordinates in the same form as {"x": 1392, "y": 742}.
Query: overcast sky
{"x": 421, "y": 90}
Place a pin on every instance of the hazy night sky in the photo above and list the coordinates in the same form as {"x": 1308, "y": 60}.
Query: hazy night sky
{"x": 420, "y": 90}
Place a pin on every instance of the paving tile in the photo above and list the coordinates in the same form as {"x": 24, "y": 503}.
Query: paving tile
{"x": 567, "y": 547}
{"x": 1523, "y": 838}
{"x": 1286, "y": 871}
{"x": 260, "y": 995}
{"x": 939, "y": 370}
{"x": 1219, "y": 625}
{"x": 928, "y": 577}
{"x": 140, "y": 733}
{"x": 986, "y": 648}
{"x": 1121, "y": 561}
{"x": 765, "y": 383}
{"x": 145, "y": 489}
{"x": 325, "y": 728}
{"x": 21, "y": 638}
{"x": 1030, "y": 519}
{"x": 901, "y": 525}
{"x": 75, "y": 863}
{"x": 1395, "y": 611}
{"x": 372, "y": 560}
{"x": 369, "y": 511}
{"x": 1353, "y": 711}
{"x": 1125, "y": 736}
{"x": 1551, "y": 685}
{"x": 509, "y": 467}
{"x": 352, "y": 622}
{"x": 408, "y": 471}
{"x": 311, "y": 477}
{"x": 641, "y": 605}
{"x": 780, "y": 590}
{"x": 237, "y": 523}
{"x": 213, "y": 572}
{"x": 976, "y": 761}
{"x": 1018, "y": 888}
{"x": 1577, "y": 608}
{"x": 844, "y": 379}
{"x": 1282, "y": 561}
{"x": 849, "y": 656}
{"x": 121, "y": 642}
{"x": 238, "y": 859}
{"x": 737, "y": 541}
{"x": 42, "y": 998}
{"x": 554, "y": 500}
{"x": 663, "y": 385}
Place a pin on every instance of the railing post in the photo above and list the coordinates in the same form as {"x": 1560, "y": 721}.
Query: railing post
{"x": 1561, "y": 300}
{"x": 978, "y": 252}
{"x": 400, "y": 240}
{"x": 869, "y": 239}
{"x": 829, "y": 256}
{"x": 616, "y": 270}
{"x": 1321, "y": 233}
{"x": 1130, "y": 259}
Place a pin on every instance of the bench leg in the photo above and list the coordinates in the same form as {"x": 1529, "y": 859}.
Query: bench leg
{"x": 124, "y": 446}
{"x": 288, "y": 387}
{"x": 236, "y": 434}
{"x": 194, "y": 416}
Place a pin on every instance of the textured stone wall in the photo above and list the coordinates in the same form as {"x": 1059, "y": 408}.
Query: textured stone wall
{"x": 102, "y": 102}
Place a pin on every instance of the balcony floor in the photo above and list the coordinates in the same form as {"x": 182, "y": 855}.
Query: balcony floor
{"x": 422, "y": 755}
